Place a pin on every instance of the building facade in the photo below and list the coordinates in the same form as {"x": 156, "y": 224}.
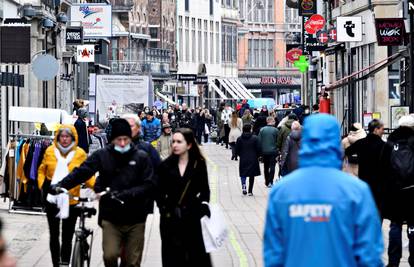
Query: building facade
{"x": 268, "y": 30}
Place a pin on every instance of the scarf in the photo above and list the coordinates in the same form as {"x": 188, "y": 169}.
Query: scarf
{"x": 61, "y": 171}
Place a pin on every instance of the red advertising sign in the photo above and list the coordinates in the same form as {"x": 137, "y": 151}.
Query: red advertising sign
{"x": 315, "y": 24}
{"x": 293, "y": 54}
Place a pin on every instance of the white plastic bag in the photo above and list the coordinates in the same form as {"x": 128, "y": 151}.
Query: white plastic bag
{"x": 214, "y": 229}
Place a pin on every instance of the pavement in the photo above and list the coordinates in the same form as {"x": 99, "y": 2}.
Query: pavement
{"x": 27, "y": 235}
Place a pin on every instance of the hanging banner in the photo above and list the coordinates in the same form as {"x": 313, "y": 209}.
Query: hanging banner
{"x": 314, "y": 24}
{"x": 307, "y": 7}
{"x": 74, "y": 35}
{"x": 293, "y": 55}
{"x": 310, "y": 43}
{"x": 390, "y": 32}
{"x": 349, "y": 29}
{"x": 96, "y": 19}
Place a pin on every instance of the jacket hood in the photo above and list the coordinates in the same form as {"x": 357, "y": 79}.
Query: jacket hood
{"x": 296, "y": 135}
{"x": 289, "y": 123}
{"x": 73, "y": 131}
{"x": 354, "y": 136}
{"x": 321, "y": 142}
{"x": 246, "y": 135}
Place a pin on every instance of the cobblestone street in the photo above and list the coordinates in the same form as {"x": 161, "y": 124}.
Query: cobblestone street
{"x": 27, "y": 235}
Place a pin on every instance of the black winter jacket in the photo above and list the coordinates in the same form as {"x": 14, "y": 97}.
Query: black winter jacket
{"x": 248, "y": 149}
{"x": 129, "y": 174}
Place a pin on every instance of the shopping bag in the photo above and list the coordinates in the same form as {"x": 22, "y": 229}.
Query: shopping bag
{"x": 214, "y": 229}
{"x": 206, "y": 129}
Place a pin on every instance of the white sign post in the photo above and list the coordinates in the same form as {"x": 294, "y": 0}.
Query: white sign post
{"x": 349, "y": 29}
{"x": 85, "y": 53}
{"x": 96, "y": 19}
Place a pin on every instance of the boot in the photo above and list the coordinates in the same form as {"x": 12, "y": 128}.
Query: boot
{"x": 244, "y": 189}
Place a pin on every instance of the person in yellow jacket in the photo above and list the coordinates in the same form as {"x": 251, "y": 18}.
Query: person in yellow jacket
{"x": 59, "y": 160}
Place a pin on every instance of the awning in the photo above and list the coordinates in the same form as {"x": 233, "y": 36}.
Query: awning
{"x": 140, "y": 36}
{"x": 242, "y": 87}
{"x": 218, "y": 91}
{"x": 230, "y": 89}
{"x": 165, "y": 98}
{"x": 374, "y": 68}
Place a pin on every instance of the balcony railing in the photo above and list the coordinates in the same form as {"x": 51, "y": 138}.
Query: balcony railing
{"x": 139, "y": 67}
{"x": 122, "y": 5}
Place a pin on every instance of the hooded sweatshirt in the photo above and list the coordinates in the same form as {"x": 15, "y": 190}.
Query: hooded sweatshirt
{"x": 318, "y": 215}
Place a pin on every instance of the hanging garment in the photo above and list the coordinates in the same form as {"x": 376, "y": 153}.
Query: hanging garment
{"x": 61, "y": 171}
{"x": 35, "y": 165}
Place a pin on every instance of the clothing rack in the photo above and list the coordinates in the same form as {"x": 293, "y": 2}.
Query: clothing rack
{"x": 28, "y": 210}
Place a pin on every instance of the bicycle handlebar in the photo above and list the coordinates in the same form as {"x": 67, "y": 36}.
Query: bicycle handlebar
{"x": 107, "y": 191}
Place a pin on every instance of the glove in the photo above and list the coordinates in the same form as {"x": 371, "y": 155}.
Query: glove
{"x": 55, "y": 189}
{"x": 205, "y": 210}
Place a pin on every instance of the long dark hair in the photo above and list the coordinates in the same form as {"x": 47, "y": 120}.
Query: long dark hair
{"x": 194, "y": 152}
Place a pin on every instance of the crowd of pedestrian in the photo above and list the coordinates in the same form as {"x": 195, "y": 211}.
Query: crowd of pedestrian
{"x": 317, "y": 208}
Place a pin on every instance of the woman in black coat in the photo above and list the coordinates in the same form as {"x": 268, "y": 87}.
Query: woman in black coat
{"x": 183, "y": 200}
{"x": 248, "y": 149}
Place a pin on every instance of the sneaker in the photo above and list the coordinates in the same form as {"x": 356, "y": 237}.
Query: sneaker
{"x": 269, "y": 185}
{"x": 250, "y": 194}
{"x": 244, "y": 190}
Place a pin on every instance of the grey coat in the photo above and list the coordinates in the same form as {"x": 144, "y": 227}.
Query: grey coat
{"x": 290, "y": 152}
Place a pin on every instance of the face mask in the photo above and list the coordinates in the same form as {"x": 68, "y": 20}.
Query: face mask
{"x": 122, "y": 150}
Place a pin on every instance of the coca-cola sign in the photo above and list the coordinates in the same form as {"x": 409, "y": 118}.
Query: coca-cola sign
{"x": 390, "y": 32}
{"x": 315, "y": 24}
{"x": 293, "y": 55}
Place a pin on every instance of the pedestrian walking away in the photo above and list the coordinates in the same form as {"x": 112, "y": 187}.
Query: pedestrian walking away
{"x": 128, "y": 172}
{"x": 290, "y": 151}
{"x": 236, "y": 128}
{"x": 248, "y": 149}
{"x": 319, "y": 215}
{"x": 268, "y": 138}
{"x": 368, "y": 151}
{"x": 183, "y": 201}
{"x": 60, "y": 159}
{"x": 397, "y": 164}
{"x": 351, "y": 160}
{"x": 81, "y": 129}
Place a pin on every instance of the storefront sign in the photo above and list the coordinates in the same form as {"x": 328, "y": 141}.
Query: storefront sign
{"x": 349, "y": 29}
{"x": 201, "y": 80}
{"x": 85, "y": 53}
{"x": 323, "y": 37}
{"x": 277, "y": 80}
{"x": 315, "y": 24}
{"x": 307, "y": 7}
{"x": 15, "y": 44}
{"x": 96, "y": 19}
{"x": 411, "y": 6}
{"x": 310, "y": 43}
{"x": 187, "y": 77}
{"x": 74, "y": 35}
{"x": 332, "y": 35}
{"x": 390, "y": 32}
{"x": 293, "y": 55}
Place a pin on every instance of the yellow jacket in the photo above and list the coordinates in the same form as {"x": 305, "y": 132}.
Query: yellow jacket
{"x": 49, "y": 162}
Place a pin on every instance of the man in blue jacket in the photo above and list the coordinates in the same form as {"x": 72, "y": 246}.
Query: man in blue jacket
{"x": 151, "y": 127}
{"x": 318, "y": 215}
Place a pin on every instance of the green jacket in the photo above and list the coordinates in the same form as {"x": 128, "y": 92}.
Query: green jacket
{"x": 283, "y": 134}
{"x": 268, "y": 137}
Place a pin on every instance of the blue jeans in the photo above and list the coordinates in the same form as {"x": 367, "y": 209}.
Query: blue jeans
{"x": 251, "y": 182}
{"x": 395, "y": 244}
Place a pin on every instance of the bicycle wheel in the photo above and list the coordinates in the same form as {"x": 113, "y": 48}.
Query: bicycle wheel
{"x": 77, "y": 256}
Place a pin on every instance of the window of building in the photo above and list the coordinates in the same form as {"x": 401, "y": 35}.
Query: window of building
{"x": 180, "y": 44}
{"x": 211, "y": 47}
{"x": 250, "y": 53}
{"x": 270, "y": 11}
{"x": 193, "y": 45}
{"x": 217, "y": 42}
{"x": 153, "y": 33}
{"x": 241, "y": 9}
{"x": 270, "y": 54}
{"x": 187, "y": 5}
{"x": 187, "y": 45}
{"x": 200, "y": 47}
{"x": 211, "y": 7}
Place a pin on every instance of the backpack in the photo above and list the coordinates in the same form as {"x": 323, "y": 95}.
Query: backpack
{"x": 402, "y": 162}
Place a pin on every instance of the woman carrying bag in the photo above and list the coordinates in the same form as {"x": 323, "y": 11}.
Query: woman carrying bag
{"x": 59, "y": 160}
{"x": 183, "y": 201}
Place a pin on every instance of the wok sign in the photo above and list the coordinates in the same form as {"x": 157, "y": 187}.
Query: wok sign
{"x": 390, "y": 32}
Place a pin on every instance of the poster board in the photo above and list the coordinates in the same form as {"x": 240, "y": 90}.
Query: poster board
{"x": 396, "y": 113}
{"x": 118, "y": 94}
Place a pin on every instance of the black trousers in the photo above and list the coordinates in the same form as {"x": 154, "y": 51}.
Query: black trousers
{"x": 269, "y": 162}
{"x": 251, "y": 182}
{"x": 233, "y": 149}
{"x": 61, "y": 254}
{"x": 395, "y": 243}
{"x": 226, "y": 134}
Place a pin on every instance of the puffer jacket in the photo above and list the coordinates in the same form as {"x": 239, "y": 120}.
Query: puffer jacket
{"x": 151, "y": 129}
{"x": 49, "y": 162}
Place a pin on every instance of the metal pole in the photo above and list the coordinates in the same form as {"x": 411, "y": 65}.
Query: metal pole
{"x": 411, "y": 94}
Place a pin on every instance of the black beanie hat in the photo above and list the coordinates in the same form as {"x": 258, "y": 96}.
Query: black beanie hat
{"x": 120, "y": 127}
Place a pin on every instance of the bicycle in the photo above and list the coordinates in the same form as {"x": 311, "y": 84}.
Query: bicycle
{"x": 82, "y": 249}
